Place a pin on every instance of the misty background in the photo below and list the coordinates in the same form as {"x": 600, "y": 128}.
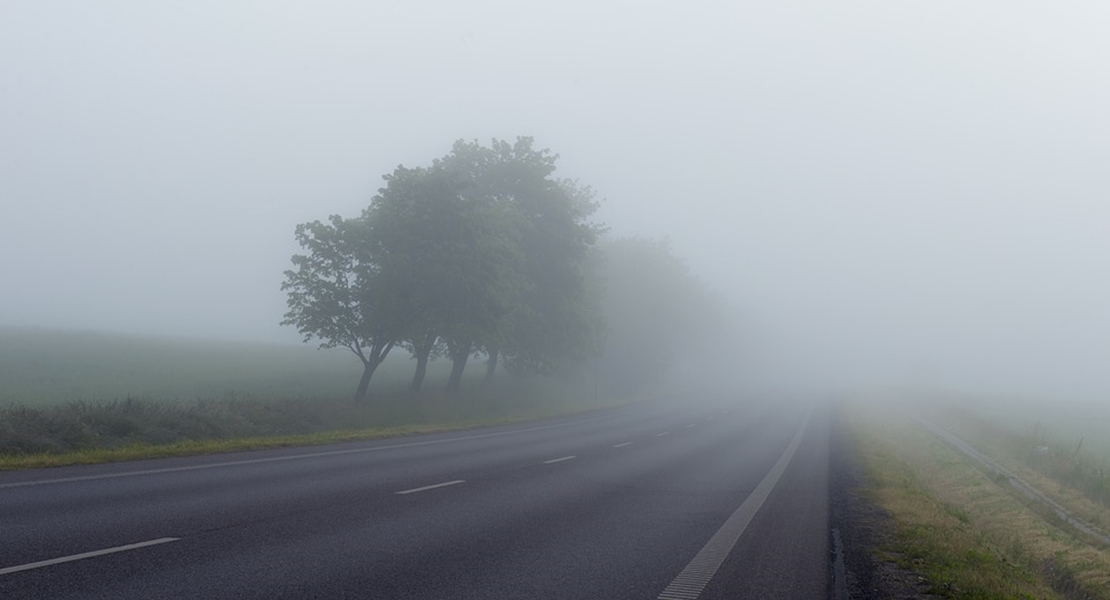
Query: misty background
{"x": 906, "y": 193}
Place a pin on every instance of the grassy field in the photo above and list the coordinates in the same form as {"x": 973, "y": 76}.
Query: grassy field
{"x": 72, "y": 397}
{"x": 42, "y": 366}
{"x": 964, "y": 532}
{"x": 1054, "y": 420}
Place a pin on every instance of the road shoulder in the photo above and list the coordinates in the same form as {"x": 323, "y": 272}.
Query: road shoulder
{"x": 860, "y": 528}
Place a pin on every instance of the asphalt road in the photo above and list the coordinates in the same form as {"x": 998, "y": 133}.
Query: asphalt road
{"x": 719, "y": 499}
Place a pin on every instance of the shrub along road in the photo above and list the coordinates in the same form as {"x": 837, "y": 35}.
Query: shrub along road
{"x": 690, "y": 500}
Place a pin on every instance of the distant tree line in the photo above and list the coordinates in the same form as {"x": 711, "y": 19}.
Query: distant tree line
{"x": 485, "y": 252}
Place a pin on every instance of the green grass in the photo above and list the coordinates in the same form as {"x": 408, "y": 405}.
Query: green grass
{"x": 76, "y": 398}
{"x": 42, "y": 366}
{"x": 1074, "y": 464}
{"x": 967, "y": 536}
{"x": 1056, "y": 420}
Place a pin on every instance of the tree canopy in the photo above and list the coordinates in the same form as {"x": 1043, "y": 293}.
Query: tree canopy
{"x": 483, "y": 251}
{"x": 336, "y": 292}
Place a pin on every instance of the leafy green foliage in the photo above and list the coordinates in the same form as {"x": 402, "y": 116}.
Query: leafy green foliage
{"x": 335, "y": 293}
{"x": 555, "y": 317}
{"x": 483, "y": 251}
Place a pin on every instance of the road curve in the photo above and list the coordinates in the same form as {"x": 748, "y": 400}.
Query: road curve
{"x": 708, "y": 499}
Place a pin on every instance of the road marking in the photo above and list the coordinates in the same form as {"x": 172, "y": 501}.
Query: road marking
{"x": 623, "y": 445}
{"x": 691, "y": 425}
{"x": 84, "y": 555}
{"x": 662, "y": 433}
{"x": 430, "y": 487}
{"x": 555, "y": 460}
{"x": 257, "y": 461}
{"x": 690, "y": 583}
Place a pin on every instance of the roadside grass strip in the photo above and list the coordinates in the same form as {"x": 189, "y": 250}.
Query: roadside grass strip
{"x": 1060, "y": 484}
{"x": 238, "y": 443}
{"x": 963, "y": 531}
{"x": 90, "y": 456}
{"x": 1003, "y": 475}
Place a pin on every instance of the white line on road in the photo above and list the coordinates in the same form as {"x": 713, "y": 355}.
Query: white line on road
{"x": 555, "y": 460}
{"x": 690, "y": 583}
{"x": 431, "y": 487}
{"x": 84, "y": 555}
{"x": 623, "y": 445}
{"x": 662, "y": 433}
{"x": 691, "y": 425}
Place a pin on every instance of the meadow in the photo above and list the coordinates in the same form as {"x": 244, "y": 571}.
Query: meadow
{"x": 73, "y": 397}
{"x": 40, "y": 367}
{"x": 1055, "y": 421}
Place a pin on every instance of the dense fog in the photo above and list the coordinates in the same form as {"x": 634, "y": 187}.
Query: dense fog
{"x": 894, "y": 194}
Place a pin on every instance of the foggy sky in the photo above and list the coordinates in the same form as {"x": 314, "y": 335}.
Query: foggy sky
{"x": 901, "y": 191}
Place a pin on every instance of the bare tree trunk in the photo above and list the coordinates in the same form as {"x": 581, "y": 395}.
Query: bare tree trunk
{"x": 423, "y": 350}
{"x": 370, "y": 363}
{"x": 460, "y": 352}
{"x": 491, "y": 366}
{"x": 368, "y": 368}
{"x": 421, "y": 370}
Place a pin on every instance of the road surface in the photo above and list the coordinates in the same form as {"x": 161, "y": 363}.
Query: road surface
{"x": 709, "y": 499}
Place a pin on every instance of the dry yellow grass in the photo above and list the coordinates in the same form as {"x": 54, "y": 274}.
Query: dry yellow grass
{"x": 964, "y": 532}
{"x": 1076, "y": 503}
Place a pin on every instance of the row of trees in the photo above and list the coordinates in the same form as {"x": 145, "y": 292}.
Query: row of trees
{"x": 484, "y": 251}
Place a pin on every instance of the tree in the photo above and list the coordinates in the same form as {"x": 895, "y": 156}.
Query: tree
{"x": 335, "y": 294}
{"x": 484, "y": 251}
{"x": 555, "y": 317}
{"x": 451, "y": 258}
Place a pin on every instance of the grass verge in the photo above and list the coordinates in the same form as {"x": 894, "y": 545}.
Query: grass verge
{"x": 959, "y": 529}
{"x": 131, "y": 429}
{"x": 192, "y": 447}
{"x": 1077, "y": 479}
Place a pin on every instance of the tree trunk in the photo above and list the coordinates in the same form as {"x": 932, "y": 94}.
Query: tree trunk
{"x": 422, "y": 349}
{"x": 491, "y": 367}
{"x": 368, "y": 368}
{"x": 421, "y": 370}
{"x": 370, "y": 362}
{"x": 459, "y": 353}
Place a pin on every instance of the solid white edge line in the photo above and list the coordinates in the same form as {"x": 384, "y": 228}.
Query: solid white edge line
{"x": 84, "y": 555}
{"x": 692, "y": 580}
{"x": 623, "y": 445}
{"x": 555, "y": 460}
{"x": 430, "y": 487}
{"x": 256, "y": 461}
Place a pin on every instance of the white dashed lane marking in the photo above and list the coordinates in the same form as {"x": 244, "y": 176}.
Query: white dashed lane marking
{"x": 84, "y": 555}
{"x": 431, "y": 487}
